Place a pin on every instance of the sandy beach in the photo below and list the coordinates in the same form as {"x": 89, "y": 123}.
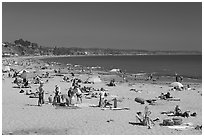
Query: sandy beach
{"x": 22, "y": 116}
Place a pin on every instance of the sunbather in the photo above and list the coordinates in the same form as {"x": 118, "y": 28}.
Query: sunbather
{"x": 165, "y": 96}
{"x": 178, "y": 112}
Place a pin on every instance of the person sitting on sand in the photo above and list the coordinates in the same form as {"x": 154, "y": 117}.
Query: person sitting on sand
{"x": 177, "y": 111}
{"x": 26, "y": 84}
{"x": 112, "y": 83}
{"x": 41, "y": 95}
{"x": 145, "y": 120}
{"x": 165, "y": 96}
{"x": 168, "y": 95}
{"x": 162, "y": 96}
{"x": 150, "y": 77}
{"x": 188, "y": 87}
{"x": 56, "y": 97}
{"x": 36, "y": 79}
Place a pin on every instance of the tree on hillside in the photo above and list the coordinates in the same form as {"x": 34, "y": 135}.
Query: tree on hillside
{"x": 22, "y": 42}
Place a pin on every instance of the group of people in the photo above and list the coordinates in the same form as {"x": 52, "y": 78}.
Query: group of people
{"x": 165, "y": 96}
{"x": 59, "y": 98}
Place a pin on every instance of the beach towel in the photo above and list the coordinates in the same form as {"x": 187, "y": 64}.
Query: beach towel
{"x": 124, "y": 108}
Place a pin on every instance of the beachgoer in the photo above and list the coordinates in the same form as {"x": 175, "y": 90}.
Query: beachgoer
{"x": 162, "y": 96}
{"x": 78, "y": 94}
{"x": 50, "y": 99}
{"x": 168, "y": 95}
{"x": 150, "y": 77}
{"x": 178, "y": 78}
{"x": 70, "y": 94}
{"x": 145, "y": 119}
{"x": 177, "y": 111}
{"x": 112, "y": 82}
{"x": 41, "y": 95}
{"x": 102, "y": 98}
{"x": 56, "y": 97}
{"x": 188, "y": 87}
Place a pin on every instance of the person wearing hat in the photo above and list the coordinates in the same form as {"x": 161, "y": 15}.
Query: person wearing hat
{"x": 56, "y": 97}
{"x": 41, "y": 94}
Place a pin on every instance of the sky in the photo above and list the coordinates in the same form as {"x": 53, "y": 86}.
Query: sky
{"x": 121, "y": 25}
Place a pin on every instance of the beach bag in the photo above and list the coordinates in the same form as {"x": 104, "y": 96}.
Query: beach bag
{"x": 168, "y": 122}
{"x": 177, "y": 121}
{"x": 139, "y": 100}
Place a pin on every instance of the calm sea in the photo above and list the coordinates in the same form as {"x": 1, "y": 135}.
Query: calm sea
{"x": 189, "y": 66}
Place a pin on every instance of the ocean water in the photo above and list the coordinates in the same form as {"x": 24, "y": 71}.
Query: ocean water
{"x": 189, "y": 66}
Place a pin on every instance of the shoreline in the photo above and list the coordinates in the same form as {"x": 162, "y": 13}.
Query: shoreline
{"x": 92, "y": 55}
{"x": 142, "y": 78}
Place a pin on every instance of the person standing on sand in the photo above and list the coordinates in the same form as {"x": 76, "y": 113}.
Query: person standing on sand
{"x": 102, "y": 98}
{"x": 41, "y": 95}
{"x": 78, "y": 94}
{"x": 56, "y": 97}
{"x": 145, "y": 120}
{"x": 70, "y": 94}
{"x": 178, "y": 78}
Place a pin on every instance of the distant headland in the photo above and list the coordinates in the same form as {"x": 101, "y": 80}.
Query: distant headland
{"x": 26, "y": 48}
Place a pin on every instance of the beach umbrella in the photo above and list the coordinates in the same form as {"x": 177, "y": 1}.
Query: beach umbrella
{"x": 176, "y": 84}
{"x": 94, "y": 79}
